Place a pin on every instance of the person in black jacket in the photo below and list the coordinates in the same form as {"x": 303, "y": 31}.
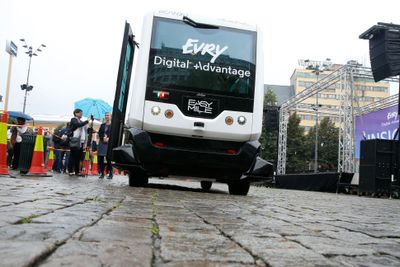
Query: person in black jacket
{"x": 78, "y": 132}
{"x": 104, "y": 136}
{"x": 61, "y": 145}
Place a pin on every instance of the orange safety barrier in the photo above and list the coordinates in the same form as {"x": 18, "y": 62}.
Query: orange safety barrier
{"x": 37, "y": 166}
{"x": 50, "y": 162}
{"x": 3, "y": 144}
{"x": 95, "y": 170}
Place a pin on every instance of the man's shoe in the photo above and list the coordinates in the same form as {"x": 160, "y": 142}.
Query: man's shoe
{"x": 110, "y": 176}
{"x": 101, "y": 176}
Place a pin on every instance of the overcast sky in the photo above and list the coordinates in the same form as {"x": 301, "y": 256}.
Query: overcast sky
{"x": 84, "y": 38}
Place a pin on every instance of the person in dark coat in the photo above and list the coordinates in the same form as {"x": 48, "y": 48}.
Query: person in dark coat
{"x": 61, "y": 145}
{"x": 104, "y": 136}
{"x": 77, "y": 131}
{"x": 16, "y": 138}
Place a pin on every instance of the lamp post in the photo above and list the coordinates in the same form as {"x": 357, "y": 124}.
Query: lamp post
{"x": 316, "y": 68}
{"x": 317, "y": 71}
{"x": 30, "y": 52}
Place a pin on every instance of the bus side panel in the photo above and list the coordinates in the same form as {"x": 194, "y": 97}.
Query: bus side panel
{"x": 135, "y": 117}
{"x": 258, "y": 90}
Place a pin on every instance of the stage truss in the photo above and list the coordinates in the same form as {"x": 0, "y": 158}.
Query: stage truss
{"x": 346, "y": 112}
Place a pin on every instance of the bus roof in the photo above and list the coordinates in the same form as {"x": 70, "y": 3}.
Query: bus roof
{"x": 201, "y": 19}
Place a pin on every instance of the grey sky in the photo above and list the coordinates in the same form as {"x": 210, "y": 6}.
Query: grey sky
{"x": 84, "y": 38}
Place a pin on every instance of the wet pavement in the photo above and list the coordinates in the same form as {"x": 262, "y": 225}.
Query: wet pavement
{"x": 69, "y": 221}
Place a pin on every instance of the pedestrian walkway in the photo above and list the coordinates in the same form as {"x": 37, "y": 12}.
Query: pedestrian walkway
{"x": 76, "y": 221}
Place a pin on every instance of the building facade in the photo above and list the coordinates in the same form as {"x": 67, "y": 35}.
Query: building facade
{"x": 365, "y": 91}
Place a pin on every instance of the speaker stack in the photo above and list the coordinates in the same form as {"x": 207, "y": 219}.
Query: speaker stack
{"x": 384, "y": 49}
{"x": 378, "y": 165}
{"x": 271, "y": 118}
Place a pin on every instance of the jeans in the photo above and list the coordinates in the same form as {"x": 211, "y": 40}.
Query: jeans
{"x": 59, "y": 165}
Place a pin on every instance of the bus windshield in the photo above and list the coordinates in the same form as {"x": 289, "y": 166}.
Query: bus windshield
{"x": 205, "y": 60}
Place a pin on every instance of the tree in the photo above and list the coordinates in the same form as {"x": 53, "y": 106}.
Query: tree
{"x": 296, "y": 151}
{"x": 270, "y": 98}
{"x": 328, "y": 142}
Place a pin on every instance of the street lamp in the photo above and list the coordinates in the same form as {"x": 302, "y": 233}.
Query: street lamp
{"x": 317, "y": 69}
{"x": 30, "y": 52}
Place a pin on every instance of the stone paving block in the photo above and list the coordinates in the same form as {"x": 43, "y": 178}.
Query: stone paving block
{"x": 376, "y": 230}
{"x": 197, "y": 247}
{"x": 116, "y": 231}
{"x": 133, "y": 221}
{"x": 36, "y": 232}
{"x": 354, "y": 237}
{"x": 330, "y": 246}
{"x": 370, "y": 261}
{"x": 68, "y": 219}
{"x": 21, "y": 253}
{"x": 144, "y": 213}
{"x": 319, "y": 226}
{"x": 386, "y": 248}
{"x": 246, "y": 229}
{"x": 112, "y": 253}
{"x": 179, "y": 227}
{"x": 206, "y": 263}
{"x": 294, "y": 257}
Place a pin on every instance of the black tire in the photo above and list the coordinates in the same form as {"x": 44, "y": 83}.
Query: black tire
{"x": 138, "y": 179}
{"x": 240, "y": 188}
{"x": 206, "y": 185}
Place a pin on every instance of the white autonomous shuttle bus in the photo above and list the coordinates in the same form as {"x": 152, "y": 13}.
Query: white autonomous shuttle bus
{"x": 197, "y": 103}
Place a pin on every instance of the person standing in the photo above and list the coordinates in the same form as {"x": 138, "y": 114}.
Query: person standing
{"x": 16, "y": 134}
{"x": 104, "y": 137}
{"x": 77, "y": 142}
{"x": 61, "y": 146}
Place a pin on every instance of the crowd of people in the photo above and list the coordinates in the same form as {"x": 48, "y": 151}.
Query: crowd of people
{"x": 70, "y": 142}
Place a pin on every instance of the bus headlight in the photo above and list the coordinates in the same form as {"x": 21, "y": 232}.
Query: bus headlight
{"x": 229, "y": 120}
{"x": 169, "y": 114}
{"x": 155, "y": 110}
{"x": 242, "y": 120}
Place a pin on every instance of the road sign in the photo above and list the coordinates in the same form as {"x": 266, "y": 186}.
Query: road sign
{"x": 11, "y": 48}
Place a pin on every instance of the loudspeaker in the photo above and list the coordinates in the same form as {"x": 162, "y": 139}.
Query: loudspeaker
{"x": 377, "y": 158}
{"x": 384, "y": 50}
{"x": 271, "y": 118}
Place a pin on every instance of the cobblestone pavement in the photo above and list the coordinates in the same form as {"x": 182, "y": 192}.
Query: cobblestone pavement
{"x": 70, "y": 221}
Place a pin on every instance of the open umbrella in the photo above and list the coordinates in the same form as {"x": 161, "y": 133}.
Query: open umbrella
{"x": 92, "y": 106}
{"x": 19, "y": 114}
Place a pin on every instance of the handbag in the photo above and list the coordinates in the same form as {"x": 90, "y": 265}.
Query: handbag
{"x": 74, "y": 142}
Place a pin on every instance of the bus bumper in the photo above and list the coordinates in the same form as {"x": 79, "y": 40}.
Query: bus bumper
{"x": 141, "y": 153}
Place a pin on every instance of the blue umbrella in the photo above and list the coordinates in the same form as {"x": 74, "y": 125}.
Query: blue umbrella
{"x": 19, "y": 114}
{"x": 92, "y": 106}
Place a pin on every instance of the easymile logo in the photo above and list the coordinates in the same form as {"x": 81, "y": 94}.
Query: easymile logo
{"x": 192, "y": 46}
{"x": 200, "y": 106}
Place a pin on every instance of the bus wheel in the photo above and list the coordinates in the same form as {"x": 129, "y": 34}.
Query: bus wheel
{"x": 138, "y": 179}
{"x": 206, "y": 185}
{"x": 240, "y": 188}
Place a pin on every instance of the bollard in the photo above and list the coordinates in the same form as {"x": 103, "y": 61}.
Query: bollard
{"x": 3, "y": 145}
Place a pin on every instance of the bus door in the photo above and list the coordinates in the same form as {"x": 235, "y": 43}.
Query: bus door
{"x": 122, "y": 90}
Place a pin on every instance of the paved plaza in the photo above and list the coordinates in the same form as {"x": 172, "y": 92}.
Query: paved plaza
{"x": 69, "y": 221}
